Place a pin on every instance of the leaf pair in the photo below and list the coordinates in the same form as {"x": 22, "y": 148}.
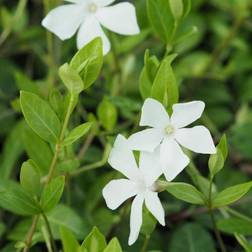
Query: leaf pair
{"x": 84, "y": 67}
{"x": 22, "y": 199}
{"x": 94, "y": 242}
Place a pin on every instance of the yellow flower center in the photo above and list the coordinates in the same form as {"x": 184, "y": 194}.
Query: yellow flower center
{"x": 92, "y": 8}
{"x": 169, "y": 129}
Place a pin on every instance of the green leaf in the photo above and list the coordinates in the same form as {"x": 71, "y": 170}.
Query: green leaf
{"x": 56, "y": 101}
{"x": 191, "y": 237}
{"x": 71, "y": 79}
{"x": 12, "y": 150}
{"x": 88, "y": 62}
{"x": 176, "y": 8}
{"x": 235, "y": 225}
{"x": 186, "y": 192}
{"x": 187, "y": 7}
{"x": 244, "y": 242}
{"x": 165, "y": 87}
{"x": 25, "y": 84}
{"x": 69, "y": 242}
{"x": 62, "y": 215}
{"x": 30, "y": 178}
{"x": 95, "y": 241}
{"x": 52, "y": 193}
{"x": 37, "y": 149}
{"x": 216, "y": 162}
{"x": 148, "y": 74}
{"x": 231, "y": 194}
{"x": 107, "y": 114}
{"x": 160, "y": 18}
{"x": 77, "y": 133}
{"x": 15, "y": 199}
{"x": 113, "y": 246}
{"x": 40, "y": 116}
{"x": 223, "y": 146}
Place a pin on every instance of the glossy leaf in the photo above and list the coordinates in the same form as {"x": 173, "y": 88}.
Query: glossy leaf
{"x": 30, "y": 178}
{"x": 107, "y": 114}
{"x": 95, "y": 241}
{"x": 165, "y": 87}
{"x": 113, "y": 246}
{"x": 71, "y": 79}
{"x": 69, "y": 242}
{"x": 88, "y": 62}
{"x": 231, "y": 194}
{"x": 186, "y": 192}
{"x": 160, "y": 17}
{"x": 15, "y": 199}
{"x": 77, "y": 133}
{"x": 52, "y": 193}
{"x": 191, "y": 237}
{"x": 40, "y": 116}
{"x": 235, "y": 225}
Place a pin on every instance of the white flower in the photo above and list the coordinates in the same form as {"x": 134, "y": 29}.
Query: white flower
{"x": 170, "y": 132}
{"x": 140, "y": 183}
{"x": 86, "y": 17}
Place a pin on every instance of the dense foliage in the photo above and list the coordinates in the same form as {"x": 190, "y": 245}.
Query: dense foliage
{"x": 61, "y": 110}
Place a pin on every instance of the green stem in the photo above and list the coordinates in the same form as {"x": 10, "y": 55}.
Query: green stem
{"x": 95, "y": 165}
{"x": 210, "y": 211}
{"x": 28, "y": 240}
{"x": 145, "y": 244}
{"x": 238, "y": 214}
{"x": 48, "y": 227}
{"x": 61, "y": 138}
{"x": 216, "y": 231}
{"x": 51, "y": 169}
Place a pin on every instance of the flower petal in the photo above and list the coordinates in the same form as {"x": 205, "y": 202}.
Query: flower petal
{"x": 149, "y": 165}
{"x": 119, "y": 18}
{"x": 173, "y": 159}
{"x": 117, "y": 191}
{"x": 155, "y": 207}
{"x": 89, "y": 30}
{"x": 146, "y": 140}
{"x": 136, "y": 218}
{"x": 63, "y": 27}
{"x": 122, "y": 158}
{"x": 186, "y": 113}
{"x": 154, "y": 114}
{"x": 104, "y": 2}
{"x": 197, "y": 139}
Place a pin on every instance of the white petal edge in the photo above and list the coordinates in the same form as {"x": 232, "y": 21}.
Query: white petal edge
{"x": 88, "y": 31}
{"x": 136, "y": 218}
{"x": 146, "y": 140}
{"x": 149, "y": 165}
{"x": 117, "y": 191}
{"x": 103, "y": 3}
{"x": 154, "y": 114}
{"x": 122, "y": 159}
{"x": 186, "y": 113}
{"x": 197, "y": 139}
{"x": 154, "y": 205}
{"x": 120, "y": 18}
{"x": 57, "y": 23}
{"x": 173, "y": 159}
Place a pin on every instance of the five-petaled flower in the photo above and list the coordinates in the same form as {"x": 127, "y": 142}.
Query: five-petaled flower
{"x": 87, "y": 16}
{"x": 170, "y": 132}
{"x": 140, "y": 183}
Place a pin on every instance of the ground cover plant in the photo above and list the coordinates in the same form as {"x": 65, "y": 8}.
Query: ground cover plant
{"x": 125, "y": 126}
